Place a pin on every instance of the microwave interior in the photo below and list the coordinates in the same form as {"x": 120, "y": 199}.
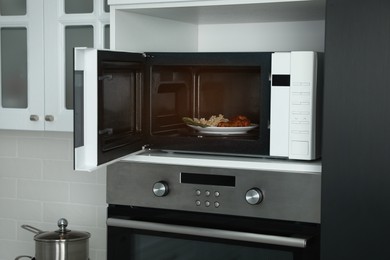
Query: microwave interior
{"x": 179, "y": 92}
{"x": 143, "y": 102}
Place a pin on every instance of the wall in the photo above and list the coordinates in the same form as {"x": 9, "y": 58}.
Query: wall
{"x": 276, "y": 36}
{"x": 38, "y": 186}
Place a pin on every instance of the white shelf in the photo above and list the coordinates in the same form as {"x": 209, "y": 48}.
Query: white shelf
{"x": 222, "y": 12}
{"x": 243, "y": 163}
{"x": 217, "y": 26}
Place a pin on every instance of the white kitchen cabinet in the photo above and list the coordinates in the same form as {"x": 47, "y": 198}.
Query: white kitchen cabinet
{"x": 217, "y": 26}
{"x": 22, "y": 79}
{"x": 52, "y": 29}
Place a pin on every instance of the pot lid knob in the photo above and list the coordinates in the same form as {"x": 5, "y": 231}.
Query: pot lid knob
{"x": 62, "y": 224}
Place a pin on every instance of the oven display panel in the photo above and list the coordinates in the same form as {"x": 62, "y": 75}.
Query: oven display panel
{"x": 206, "y": 179}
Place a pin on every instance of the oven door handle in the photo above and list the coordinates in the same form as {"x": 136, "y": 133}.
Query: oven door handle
{"x": 208, "y": 232}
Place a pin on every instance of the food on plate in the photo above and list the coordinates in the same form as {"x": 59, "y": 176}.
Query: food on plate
{"x": 218, "y": 121}
{"x": 212, "y": 121}
{"x": 238, "y": 121}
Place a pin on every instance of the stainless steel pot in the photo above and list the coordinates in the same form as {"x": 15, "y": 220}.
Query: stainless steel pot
{"x": 62, "y": 244}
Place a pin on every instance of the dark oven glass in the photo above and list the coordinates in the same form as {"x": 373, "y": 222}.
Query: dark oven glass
{"x": 134, "y": 243}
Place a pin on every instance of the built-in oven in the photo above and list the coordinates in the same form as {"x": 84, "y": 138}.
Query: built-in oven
{"x": 212, "y": 208}
{"x": 181, "y": 101}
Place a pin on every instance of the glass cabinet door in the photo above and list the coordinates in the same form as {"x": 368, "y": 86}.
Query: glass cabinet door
{"x": 68, "y": 24}
{"x": 21, "y": 65}
{"x": 13, "y": 7}
{"x": 14, "y": 71}
{"x": 36, "y": 58}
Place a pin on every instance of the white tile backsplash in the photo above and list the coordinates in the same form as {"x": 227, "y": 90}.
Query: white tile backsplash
{"x": 99, "y": 255}
{"x": 9, "y": 249}
{"x": 8, "y": 188}
{"x": 20, "y": 209}
{"x": 80, "y": 215}
{"x": 8, "y": 230}
{"x": 63, "y": 171}
{"x": 90, "y": 194}
{"x": 8, "y": 146}
{"x": 20, "y": 168}
{"x": 38, "y": 186}
{"x": 45, "y": 148}
{"x": 42, "y": 190}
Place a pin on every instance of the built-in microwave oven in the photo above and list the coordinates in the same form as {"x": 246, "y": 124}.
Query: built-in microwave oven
{"x": 125, "y": 102}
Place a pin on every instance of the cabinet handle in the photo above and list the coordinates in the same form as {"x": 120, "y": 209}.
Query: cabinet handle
{"x": 34, "y": 118}
{"x": 49, "y": 118}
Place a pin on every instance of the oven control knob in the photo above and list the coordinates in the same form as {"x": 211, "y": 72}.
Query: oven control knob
{"x": 160, "y": 189}
{"x": 254, "y": 196}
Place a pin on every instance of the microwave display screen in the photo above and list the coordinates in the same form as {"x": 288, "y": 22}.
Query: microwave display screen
{"x": 281, "y": 80}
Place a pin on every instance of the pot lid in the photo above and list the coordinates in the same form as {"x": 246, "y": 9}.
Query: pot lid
{"x": 62, "y": 234}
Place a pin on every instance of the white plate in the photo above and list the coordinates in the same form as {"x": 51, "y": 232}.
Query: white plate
{"x": 223, "y": 130}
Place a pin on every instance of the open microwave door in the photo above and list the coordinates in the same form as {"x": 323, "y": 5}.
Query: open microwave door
{"x": 108, "y": 106}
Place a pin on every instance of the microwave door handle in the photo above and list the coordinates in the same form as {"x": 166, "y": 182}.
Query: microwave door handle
{"x": 208, "y": 232}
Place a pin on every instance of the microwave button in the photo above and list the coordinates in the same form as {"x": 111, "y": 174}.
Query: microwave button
{"x": 300, "y": 147}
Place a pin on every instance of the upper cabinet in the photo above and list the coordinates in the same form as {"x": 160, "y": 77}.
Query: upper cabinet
{"x": 217, "y": 26}
{"x": 21, "y": 64}
{"x": 36, "y": 58}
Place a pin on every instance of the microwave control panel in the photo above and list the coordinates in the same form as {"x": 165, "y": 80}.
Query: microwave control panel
{"x": 293, "y": 196}
{"x": 293, "y": 105}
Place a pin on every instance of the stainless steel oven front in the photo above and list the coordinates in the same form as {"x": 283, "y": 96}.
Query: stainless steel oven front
{"x": 190, "y": 210}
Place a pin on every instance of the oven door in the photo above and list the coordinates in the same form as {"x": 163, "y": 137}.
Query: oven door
{"x": 109, "y": 90}
{"x": 143, "y": 234}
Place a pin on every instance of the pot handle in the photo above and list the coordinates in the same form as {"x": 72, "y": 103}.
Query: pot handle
{"x": 32, "y": 229}
{"x": 21, "y": 256}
